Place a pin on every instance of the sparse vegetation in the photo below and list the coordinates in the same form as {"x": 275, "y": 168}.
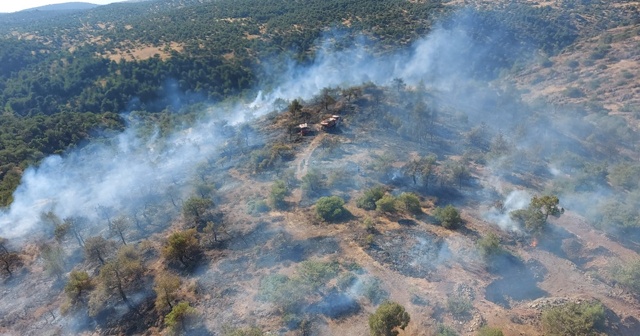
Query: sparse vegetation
{"x": 459, "y": 305}
{"x": 628, "y": 275}
{"x": 489, "y": 331}
{"x": 573, "y": 319}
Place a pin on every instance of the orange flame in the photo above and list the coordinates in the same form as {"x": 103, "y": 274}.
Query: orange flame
{"x": 534, "y": 242}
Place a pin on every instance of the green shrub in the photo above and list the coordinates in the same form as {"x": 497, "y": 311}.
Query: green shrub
{"x": 278, "y": 193}
{"x": 373, "y": 291}
{"x": 444, "y": 330}
{"x": 252, "y": 331}
{"x": 489, "y": 245}
{"x": 410, "y": 202}
{"x": 330, "y": 208}
{"x": 313, "y": 274}
{"x": 370, "y": 197}
{"x": 488, "y": 331}
{"x": 346, "y": 280}
{"x": 573, "y": 92}
{"x": 572, "y": 319}
{"x": 256, "y": 207}
{"x": 628, "y": 275}
{"x": 459, "y": 305}
{"x": 386, "y": 204}
{"x": 280, "y": 290}
{"x": 387, "y": 318}
{"x": 178, "y": 315}
{"x": 448, "y": 217}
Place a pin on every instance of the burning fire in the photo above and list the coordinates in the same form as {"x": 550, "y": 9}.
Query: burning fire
{"x": 534, "y": 242}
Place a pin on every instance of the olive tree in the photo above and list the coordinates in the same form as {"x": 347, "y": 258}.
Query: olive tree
{"x": 387, "y": 318}
{"x": 330, "y": 208}
{"x": 448, "y": 217}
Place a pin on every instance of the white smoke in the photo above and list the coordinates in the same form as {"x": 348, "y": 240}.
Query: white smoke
{"x": 111, "y": 175}
{"x": 515, "y": 200}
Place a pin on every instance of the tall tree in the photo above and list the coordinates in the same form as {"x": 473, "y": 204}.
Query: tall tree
{"x": 119, "y": 227}
{"x": 182, "y": 246}
{"x": 166, "y": 286}
{"x": 194, "y": 209}
{"x": 97, "y": 249}
{"x": 115, "y": 277}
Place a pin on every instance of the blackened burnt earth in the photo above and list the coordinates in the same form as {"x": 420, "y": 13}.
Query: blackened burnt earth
{"x": 519, "y": 280}
{"x": 410, "y": 252}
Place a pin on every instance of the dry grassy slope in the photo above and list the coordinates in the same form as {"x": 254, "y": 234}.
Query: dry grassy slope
{"x": 611, "y": 80}
{"x": 563, "y": 279}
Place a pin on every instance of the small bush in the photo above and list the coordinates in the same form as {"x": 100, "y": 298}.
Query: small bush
{"x": 277, "y": 195}
{"x": 459, "y": 305}
{"x": 314, "y": 274}
{"x": 369, "y": 225}
{"x": 386, "y": 204}
{"x": 488, "y": 331}
{"x": 444, "y": 330}
{"x": 373, "y": 292}
{"x": 346, "y": 280}
{"x": 369, "y": 199}
{"x": 572, "y": 319}
{"x": 252, "y": 331}
{"x": 628, "y": 275}
{"x": 256, "y": 207}
{"x": 489, "y": 245}
{"x": 448, "y": 217}
{"x": 574, "y": 92}
{"x": 410, "y": 202}
{"x": 330, "y": 208}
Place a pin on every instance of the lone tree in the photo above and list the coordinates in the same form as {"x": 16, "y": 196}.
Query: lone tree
{"x": 182, "y": 246}
{"x": 115, "y": 277}
{"x": 9, "y": 261}
{"x": 3, "y": 245}
{"x": 387, "y": 318}
{"x": 97, "y": 249}
{"x": 195, "y": 208}
{"x": 330, "y": 208}
{"x": 448, "y": 217}
{"x": 79, "y": 283}
{"x": 534, "y": 217}
{"x": 179, "y": 315}
{"x": 119, "y": 227}
{"x": 166, "y": 286}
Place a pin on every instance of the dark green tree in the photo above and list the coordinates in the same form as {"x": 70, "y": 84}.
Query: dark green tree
{"x": 330, "y": 208}
{"x": 387, "y": 318}
{"x": 448, "y": 217}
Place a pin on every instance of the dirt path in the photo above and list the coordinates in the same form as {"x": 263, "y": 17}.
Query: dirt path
{"x": 302, "y": 161}
{"x": 302, "y": 165}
